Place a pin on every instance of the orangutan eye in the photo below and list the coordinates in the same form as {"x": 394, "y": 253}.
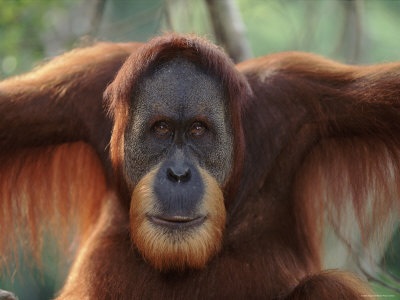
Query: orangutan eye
{"x": 161, "y": 128}
{"x": 197, "y": 129}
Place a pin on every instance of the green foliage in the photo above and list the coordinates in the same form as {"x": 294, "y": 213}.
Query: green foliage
{"x": 320, "y": 27}
{"x": 22, "y": 24}
{"x": 272, "y": 26}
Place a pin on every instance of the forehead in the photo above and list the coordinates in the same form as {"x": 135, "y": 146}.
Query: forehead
{"x": 180, "y": 87}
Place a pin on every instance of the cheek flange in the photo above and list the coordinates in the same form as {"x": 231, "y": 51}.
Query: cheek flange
{"x": 167, "y": 248}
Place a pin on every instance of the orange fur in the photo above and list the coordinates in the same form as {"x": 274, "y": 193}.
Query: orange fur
{"x": 355, "y": 182}
{"x": 314, "y": 136}
{"x": 147, "y": 57}
{"x": 109, "y": 219}
{"x": 174, "y": 251}
{"x": 334, "y": 285}
{"x": 48, "y": 119}
{"x": 61, "y": 75}
{"x": 45, "y": 188}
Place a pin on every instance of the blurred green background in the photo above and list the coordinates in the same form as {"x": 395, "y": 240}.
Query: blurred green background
{"x": 358, "y": 32}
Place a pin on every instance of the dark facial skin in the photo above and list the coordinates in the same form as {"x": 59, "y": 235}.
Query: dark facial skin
{"x": 179, "y": 119}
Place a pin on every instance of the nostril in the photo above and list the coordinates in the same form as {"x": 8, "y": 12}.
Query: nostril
{"x": 175, "y": 176}
{"x": 171, "y": 175}
{"x": 186, "y": 176}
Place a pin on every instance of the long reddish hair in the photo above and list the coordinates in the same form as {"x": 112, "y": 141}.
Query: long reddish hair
{"x": 145, "y": 59}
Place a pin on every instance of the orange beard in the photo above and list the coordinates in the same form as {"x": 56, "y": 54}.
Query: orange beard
{"x": 173, "y": 250}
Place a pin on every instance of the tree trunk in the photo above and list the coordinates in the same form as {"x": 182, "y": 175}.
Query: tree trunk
{"x": 229, "y": 28}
